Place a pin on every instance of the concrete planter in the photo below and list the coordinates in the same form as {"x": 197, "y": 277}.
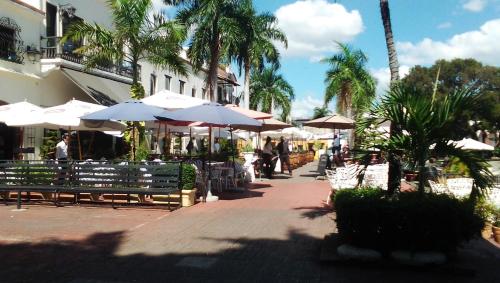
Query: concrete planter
{"x": 487, "y": 230}
{"x": 496, "y": 234}
{"x": 188, "y": 197}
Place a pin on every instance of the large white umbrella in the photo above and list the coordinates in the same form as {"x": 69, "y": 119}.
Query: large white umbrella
{"x": 172, "y": 101}
{"x": 20, "y": 114}
{"x": 68, "y": 116}
{"x": 211, "y": 115}
{"x": 471, "y": 144}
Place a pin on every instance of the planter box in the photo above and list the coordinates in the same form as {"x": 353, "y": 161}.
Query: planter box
{"x": 496, "y": 234}
{"x": 187, "y": 199}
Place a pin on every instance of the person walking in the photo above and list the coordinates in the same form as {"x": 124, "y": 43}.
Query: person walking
{"x": 284, "y": 153}
{"x": 62, "y": 157}
{"x": 62, "y": 148}
{"x": 267, "y": 157}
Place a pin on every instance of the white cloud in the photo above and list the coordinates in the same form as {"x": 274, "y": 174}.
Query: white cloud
{"x": 444, "y": 25}
{"x": 313, "y": 26}
{"x": 482, "y": 45}
{"x": 474, "y": 5}
{"x": 304, "y": 107}
{"x": 383, "y": 77}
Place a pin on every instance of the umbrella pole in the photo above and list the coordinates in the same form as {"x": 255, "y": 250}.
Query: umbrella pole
{"x": 232, "y": 150}
{"x": 190, "y": 138}
{"x": 79, "y": 145}
{"x": 69, "y": 143}
{"x": 158, "y": 136}
{"x": 133, "y": 140}
{"x": 209, "y": 197}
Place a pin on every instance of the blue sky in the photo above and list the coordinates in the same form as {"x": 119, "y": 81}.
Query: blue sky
{"x": 425, "y": 30}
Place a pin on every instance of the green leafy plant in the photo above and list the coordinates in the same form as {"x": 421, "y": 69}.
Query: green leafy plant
{"x": 412, "y": 221}
{"x": 48, "y": 147}
{"x": 188, "y": 177}
{"x": 142, "y": 152}
{"x": 247, "y": 148}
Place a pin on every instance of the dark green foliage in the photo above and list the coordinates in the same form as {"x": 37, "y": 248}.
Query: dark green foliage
{"x": 458, "y": 74}
{"x": 416, "y": 222}
{"x": 188, "y": 177}
{"x": 48, "y": 147}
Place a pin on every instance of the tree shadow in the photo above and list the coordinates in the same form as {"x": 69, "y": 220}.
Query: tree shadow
{"x": 293, "y": 258}
{"x": 233, "y": 195}
{"x": 313, "y": 212}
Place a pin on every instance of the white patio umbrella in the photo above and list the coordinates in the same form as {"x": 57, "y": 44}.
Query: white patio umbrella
{"x": 68, "y": 116}
{"x": 169, "y": 100}
{"x": 211, "y": 115}
{"x": 471, "y": 144}
{"x": 20, "y": 114}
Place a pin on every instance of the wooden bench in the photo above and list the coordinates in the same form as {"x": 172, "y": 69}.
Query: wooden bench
{"x": 51, "y": 178}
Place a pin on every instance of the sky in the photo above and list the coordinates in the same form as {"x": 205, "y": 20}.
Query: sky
{"x": 424, "y": 31}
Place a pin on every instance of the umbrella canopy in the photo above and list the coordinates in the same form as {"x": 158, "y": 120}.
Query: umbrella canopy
{"x": 249, "y": 113}
{"x": 333, "y": 121}
{"x": 170, "y": 100}
{"x": 21, "y": 113}
{"x": 131, "y": 110}
{"x": 211, "y": 114}
{"x": 471, "y": 144}
{"x": 267, "y": 125}
{"x": 68, "y": 116}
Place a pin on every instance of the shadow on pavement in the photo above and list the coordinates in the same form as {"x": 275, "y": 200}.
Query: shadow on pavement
{"x": 290, "y": 259}
{"x": 313, "y": 212}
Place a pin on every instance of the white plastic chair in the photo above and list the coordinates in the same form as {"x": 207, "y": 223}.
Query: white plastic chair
{"x": 439, "y": 188}
{"x": 460, "y": 187}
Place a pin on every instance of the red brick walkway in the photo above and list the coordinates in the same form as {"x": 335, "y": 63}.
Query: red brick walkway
{"x": 271, "y": 233}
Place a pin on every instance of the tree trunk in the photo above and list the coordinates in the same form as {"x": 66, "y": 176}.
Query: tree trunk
{"x": 214, "y": 62}
{"x": 246, "y": 88}
{"x": 389, "y": 40}
{"x": 394, "y": 182}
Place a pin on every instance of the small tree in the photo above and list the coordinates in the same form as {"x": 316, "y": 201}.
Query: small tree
{"x": 426, "y": 123}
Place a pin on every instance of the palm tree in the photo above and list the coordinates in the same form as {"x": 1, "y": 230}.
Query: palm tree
{"x": 269, "y": 90}
{"x": 349, "y": 81}
{"x": 320, "y": 112}
{"x": 215, "y": 27}
{"x": 135, "y": 36}
{"x": 256, "y": 46}
{"x": 389, "y": 40}
{"x": 394, "y": 162}
{"x": 427, "y": 122}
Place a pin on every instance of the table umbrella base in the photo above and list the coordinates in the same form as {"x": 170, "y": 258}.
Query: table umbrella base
{"x": 210, "y": 197}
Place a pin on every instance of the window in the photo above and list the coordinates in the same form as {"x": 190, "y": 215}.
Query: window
{"x": 193, "y": 92}
{"x": 181, "y": 86}
{"x": 167, "y": 82}
{"x": 10, "y": 42}
{"x": 152, "y": 84}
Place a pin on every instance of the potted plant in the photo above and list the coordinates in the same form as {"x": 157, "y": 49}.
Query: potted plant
{"x": 488, "y": 213}
{"x": 188, "y": 182}
{"x": 496, "y": 226}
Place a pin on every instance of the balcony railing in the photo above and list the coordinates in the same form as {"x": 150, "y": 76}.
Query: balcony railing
{"x": 51, "y": 48}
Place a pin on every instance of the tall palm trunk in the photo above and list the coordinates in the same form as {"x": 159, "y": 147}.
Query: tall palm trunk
{"x": 214, "y": 63}
{"x": 394, "y": 182}
{"x": 246, "y": 87}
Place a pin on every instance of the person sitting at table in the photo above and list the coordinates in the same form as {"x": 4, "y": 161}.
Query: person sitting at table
{"x": 216, "y": 145}
{"x": 267, "y": 156}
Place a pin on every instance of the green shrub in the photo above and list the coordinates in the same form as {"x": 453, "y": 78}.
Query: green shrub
{"x": 188, "y": 177}
{"x": 367, "y": 218}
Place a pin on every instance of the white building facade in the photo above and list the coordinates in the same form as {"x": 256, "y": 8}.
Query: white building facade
{"x": 36, "y": 67}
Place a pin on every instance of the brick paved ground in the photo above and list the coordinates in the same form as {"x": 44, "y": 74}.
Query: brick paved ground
{"x": 271, "y": 233}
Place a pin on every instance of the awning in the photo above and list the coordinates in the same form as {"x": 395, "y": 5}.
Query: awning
{"x": 104, "y": 91}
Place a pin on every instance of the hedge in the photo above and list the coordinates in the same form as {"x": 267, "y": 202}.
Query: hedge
{"x": 415, "y": 222}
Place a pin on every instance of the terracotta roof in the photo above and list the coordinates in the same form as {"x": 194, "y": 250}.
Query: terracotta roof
{"x": 228, "y": 77}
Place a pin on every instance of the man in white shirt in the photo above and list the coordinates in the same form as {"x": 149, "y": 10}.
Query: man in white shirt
{"x": 62, "y": 148}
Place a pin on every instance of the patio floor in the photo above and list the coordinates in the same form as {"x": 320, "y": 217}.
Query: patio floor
{"x": 271, "y": 233}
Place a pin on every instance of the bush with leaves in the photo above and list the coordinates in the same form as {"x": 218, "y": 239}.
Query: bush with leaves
{"x": 412, "y": 221}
